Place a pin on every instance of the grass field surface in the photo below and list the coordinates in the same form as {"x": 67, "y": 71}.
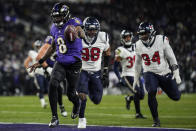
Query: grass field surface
{"x": 111, "y": 111}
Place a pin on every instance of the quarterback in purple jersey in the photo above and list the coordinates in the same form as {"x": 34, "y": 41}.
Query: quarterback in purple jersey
{"x": 68, "y": 60}
{"x": 48, "y": 65}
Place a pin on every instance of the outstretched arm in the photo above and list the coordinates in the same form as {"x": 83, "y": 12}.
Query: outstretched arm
{"x": 41, "y": 53}
{"x": 48, "y": 53}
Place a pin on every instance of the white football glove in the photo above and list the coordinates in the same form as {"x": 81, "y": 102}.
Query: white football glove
{"x": 31, "y": 74}
{"x": 49, "y": 70}
{"x": 176, "y": 75}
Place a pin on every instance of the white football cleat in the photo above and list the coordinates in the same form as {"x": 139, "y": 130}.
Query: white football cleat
{"x": 63, "y": 111}
{"x": 64, "y": 114}
{"x": 82, "y": 123}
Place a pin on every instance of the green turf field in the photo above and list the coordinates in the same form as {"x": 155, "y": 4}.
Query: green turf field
{"x": 111, "y": 112}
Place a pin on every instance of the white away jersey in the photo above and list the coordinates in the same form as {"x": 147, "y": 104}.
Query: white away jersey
{"x": 33, "y": 54}
{"x": 92, "y": 52}
{"x": 154, "y": 58}
{"x": 128, "y": 60}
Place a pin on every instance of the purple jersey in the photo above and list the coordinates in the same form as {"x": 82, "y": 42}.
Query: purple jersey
{"x": 67, "y": 53}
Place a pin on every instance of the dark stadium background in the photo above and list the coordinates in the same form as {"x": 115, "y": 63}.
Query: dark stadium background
{"x": 24, "y": 21}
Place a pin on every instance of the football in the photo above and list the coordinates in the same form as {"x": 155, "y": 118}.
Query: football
{"x": 70, "y": 33}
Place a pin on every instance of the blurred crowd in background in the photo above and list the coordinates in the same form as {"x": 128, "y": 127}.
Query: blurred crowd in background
{"x": 23, "y": 21}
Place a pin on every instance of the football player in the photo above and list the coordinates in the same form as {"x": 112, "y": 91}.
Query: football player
{"x": 95, "y": 44}
{"x": 48, "y": 65}
{"x": 154, "y": 54}
{"x": 39, "y": 79}
{"x": 68, "y": 60}
{"x": 125, "y": 56}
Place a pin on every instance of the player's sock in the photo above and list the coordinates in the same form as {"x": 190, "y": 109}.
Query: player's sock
{"x": 156, "y": 122}
{"x": 76, "y": 107}
{"x": 60, "y": 95}
{"x": 128, "y": 100}
{"x": 82, "y": 108}
{"x": 137, "y": 103}
{"x": 43, "y": 103}
{"x": 53, "y": 99}
{"x": 153, "y": 105}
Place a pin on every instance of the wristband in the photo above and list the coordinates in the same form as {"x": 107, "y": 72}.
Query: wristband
{"x": 41, "y": 61}
{"x": 174, "y": 67}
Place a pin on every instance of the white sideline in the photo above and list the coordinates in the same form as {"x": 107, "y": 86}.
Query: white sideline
{"x": 103, "y": 126}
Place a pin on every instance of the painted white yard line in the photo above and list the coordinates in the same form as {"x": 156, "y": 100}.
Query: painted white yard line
{"x": 102, "y": 114}
{"x": 32, "y": 123}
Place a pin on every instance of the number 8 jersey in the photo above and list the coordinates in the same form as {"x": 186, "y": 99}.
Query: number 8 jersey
{"x": 155, "y": 57}
{"x": 92, "y": 52}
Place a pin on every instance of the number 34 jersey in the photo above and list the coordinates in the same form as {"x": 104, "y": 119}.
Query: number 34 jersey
{"x": 92, "y": 52}
{"x": 128, "y": 59}
{"x": 154, "y": 58}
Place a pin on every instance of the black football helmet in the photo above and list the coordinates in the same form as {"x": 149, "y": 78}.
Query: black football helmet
{"x": 60, "y": 14}
{"x": 126, "y": 41}
{"x": 91, "y": 26}
{"x": 146, "y": 32}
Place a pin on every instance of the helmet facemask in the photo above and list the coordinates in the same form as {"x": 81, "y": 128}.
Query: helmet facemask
{"x": 146, "y": 33}
{"x": 91, "y": 27}
{"x": 126, "y": 38}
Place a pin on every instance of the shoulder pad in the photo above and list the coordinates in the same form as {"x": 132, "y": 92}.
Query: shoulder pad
{"x": 103, "y": 36}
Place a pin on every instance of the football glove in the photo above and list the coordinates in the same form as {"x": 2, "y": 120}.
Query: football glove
{"x": 176, "y": 75}
{"x": 31, "y": 74}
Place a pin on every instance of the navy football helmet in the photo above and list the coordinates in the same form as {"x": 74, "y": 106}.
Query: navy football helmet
{"x": 146, "y": 32}
{"x": 60, "y": 14}
{"x": 124, "y": 39}
{"x": 91, "y": 26}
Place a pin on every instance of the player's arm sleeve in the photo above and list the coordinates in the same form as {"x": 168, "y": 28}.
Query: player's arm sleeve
{"x": 169, "y": 53}
{"x": 138, "y": 66}
{"x": 116, "y": 69}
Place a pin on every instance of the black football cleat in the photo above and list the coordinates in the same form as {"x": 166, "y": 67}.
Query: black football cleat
{"x": 156, "y": 123}
{"x": 139, "y": 116}
{"x": 75, "y": 110}
{"x": 128, "y": 102}
{"x": 54, "y": 122}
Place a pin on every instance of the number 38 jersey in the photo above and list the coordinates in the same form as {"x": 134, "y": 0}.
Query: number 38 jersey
{"x": 128, "y": 60}
{"x": 92, "y": 52}
{"x": 154, "y": 58}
